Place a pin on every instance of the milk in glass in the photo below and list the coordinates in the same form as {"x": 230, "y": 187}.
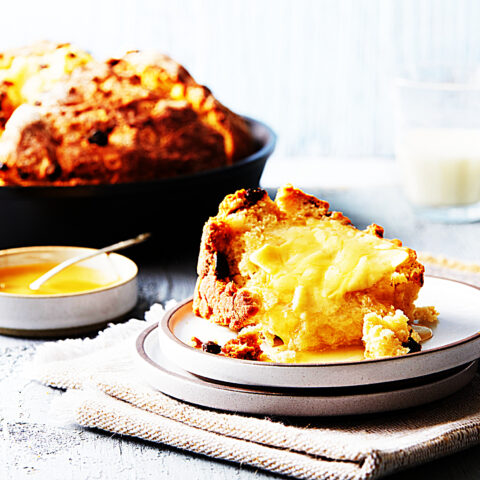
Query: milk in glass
{"x": 440, "y": 166}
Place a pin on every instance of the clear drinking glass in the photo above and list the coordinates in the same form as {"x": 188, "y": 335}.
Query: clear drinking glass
{"x": 437, "y": 144}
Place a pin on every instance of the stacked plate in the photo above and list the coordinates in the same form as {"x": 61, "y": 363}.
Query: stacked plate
{"x": 447, "y": 362}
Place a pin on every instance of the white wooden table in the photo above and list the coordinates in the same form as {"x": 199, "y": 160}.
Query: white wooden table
{"x": 34, "y": 445}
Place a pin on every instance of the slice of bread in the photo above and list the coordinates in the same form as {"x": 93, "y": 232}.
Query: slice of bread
{"x": 304, "y": 277}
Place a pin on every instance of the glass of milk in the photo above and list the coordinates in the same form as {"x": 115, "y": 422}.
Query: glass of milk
{"x": 437, "y": 145}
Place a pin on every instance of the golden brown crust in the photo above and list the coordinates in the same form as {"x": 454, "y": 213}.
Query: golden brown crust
{"x": 6, "y": 104}
{"x": 376, "y": 230}
{"x": 217, "y": 295}
{"x": 27, "y": 71}
{"x": 135, "y": 118}
{"x": 295, "y": 203}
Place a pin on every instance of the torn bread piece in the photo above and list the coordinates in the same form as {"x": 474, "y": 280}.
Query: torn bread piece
{"x": 305, "y": 277}
{"x": 389, "y": 336}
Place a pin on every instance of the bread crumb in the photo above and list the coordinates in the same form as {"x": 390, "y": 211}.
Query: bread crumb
{"x": 425, "y": 314}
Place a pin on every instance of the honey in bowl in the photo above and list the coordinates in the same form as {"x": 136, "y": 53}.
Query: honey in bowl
{"x": 16, "y": 279}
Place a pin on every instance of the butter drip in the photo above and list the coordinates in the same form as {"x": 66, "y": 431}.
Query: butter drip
{"x": 304, "y": 273}
{"x": 353, "y": 353}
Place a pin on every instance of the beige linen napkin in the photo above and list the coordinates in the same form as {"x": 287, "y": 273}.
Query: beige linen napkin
{"x": 103, "y": 392}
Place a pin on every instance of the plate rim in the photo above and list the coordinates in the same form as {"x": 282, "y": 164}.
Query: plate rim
{"x": 280, "y": 391}
{"x": 278, "y": 403}
{"x": 164, "y": 325}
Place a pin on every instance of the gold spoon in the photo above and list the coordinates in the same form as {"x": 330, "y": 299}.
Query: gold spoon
{"x": 36, "y": 284}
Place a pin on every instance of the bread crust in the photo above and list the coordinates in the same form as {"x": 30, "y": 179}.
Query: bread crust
{"x": 217, "y": 295}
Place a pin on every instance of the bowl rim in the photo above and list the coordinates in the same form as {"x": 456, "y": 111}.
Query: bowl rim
{"x": 22, "y": 250}
{"x": 266, "y": 147}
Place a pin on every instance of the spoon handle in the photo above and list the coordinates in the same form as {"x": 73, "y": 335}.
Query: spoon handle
{"x": 35, "y": 285}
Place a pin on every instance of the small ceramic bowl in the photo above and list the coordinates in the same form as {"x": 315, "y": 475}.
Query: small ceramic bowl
{"x": 67, "y": 313}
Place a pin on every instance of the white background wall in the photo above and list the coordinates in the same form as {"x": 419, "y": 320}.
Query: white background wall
{"x": 318, "y": 71}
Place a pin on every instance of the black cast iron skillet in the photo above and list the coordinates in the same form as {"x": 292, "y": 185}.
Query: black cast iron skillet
{"x": 173, "y": 209}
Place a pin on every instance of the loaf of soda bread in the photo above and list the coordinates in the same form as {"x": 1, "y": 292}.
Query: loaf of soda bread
{"x": 69, "y": 119}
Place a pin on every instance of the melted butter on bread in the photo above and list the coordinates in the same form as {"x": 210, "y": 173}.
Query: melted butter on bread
{"x": 303, "y": 275}
{"x": 327, "y": 259}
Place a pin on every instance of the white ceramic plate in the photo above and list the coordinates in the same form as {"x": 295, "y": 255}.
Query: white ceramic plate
{"x": 455, "y": 341}
{"x": 70, "y": 313}
{"x": 163, "y": 374}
